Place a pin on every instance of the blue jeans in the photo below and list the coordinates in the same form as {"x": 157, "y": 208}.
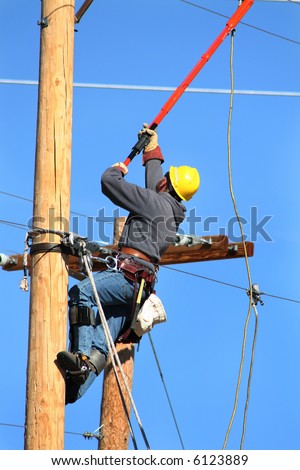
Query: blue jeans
{"x": 116, "y": 296}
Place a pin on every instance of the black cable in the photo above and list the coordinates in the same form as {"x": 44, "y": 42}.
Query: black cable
{"x": 206, "y": 278}
{"x": 166, "y": 391}
{"x": 30, "y": 200}
{"x": 242, "y": 22}
{"x": 22, "y": 426}
{"x": 14, "y": 224}
{"x": 229, "y": 285}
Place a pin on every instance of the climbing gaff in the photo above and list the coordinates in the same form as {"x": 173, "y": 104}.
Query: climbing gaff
{"x": 230, "y": 25}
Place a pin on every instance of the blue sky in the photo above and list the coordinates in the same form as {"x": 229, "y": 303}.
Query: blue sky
{"x": 199, "y": 347}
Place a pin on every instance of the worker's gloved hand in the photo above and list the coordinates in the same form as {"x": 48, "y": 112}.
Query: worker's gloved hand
{"x": 153, "y": 138}
{"x": 121, "y": 167}
{"x": 152, "y": 150}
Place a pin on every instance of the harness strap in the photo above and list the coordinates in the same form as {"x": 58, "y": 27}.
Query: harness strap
{"x": 82, "y": 316}
{"x": 50, "y": 247}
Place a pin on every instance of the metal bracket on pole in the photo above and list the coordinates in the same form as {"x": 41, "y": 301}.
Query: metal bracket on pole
{"x": 43, "y": 22}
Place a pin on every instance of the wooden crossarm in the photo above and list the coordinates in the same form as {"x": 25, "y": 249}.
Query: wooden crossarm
{"x": 220, "y": 249}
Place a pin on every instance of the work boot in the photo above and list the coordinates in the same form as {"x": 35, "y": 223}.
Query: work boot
{"x": 76, "y": 364}
{"x": 98, "y": 360}
{"x": 72, "y": 390}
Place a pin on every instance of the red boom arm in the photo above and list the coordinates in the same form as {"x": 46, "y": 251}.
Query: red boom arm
{"x": 230, "y": 25}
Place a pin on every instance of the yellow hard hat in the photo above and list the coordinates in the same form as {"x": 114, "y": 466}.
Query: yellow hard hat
{"x": 185, "y": 181}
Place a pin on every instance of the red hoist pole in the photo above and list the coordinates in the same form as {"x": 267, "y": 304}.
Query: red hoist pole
{"x": 230, "y": 25}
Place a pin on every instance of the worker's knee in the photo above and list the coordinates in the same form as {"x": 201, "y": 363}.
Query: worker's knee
{"x": 74, "y": 295}
{"x": 82, "y": 294}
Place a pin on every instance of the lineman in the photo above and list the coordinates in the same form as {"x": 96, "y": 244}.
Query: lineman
{"x": 155, "y": 213}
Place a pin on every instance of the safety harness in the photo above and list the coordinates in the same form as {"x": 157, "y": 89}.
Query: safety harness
{"x": 139, "y": 271}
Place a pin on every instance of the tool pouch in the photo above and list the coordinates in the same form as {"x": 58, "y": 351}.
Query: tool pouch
{"x": 151, "y": 313}
{"x": 133, "y": 271}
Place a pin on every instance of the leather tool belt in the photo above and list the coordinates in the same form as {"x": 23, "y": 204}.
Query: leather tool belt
{"x": 136, "y": 253}
{"x": 135, "y": 270}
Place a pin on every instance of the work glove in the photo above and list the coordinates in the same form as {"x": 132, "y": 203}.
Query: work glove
{"x": 153, "y": 137}
{"x": 122, "y": 167}
{"x": 152, "y": 151}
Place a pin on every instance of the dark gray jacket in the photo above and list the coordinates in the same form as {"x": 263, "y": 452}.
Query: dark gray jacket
{"x": 153, "y": 219}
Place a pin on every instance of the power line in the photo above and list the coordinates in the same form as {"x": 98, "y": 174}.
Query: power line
{"x": 22, "y": 427}
{"x": 229, "y": 284}
{"x": 30, "y": 200}
{"x": 107, "y": 86}
{"x": 242, "y": 22}
{"x": 14, "y": 224}
{"x": 16, "y": 196}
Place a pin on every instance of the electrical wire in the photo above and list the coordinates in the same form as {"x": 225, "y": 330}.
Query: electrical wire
{"x": 206, "y": 278}
{"x": 22, "y": 427}
{"x": 14, "y": 224}
{"x": 166, "y": 391}
{"x": 249, "y": 377}
{"x": 247, "y": 269}
{"x": 241, "y": 22}
{"x": 30, "y": 200}
{"x": 229, "y": 284}
{"x": 16, "y": 196}
{"x": 107, "y": 86}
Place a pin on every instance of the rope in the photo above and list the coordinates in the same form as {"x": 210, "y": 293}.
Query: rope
{"x": 248, "y": 273}
{"x": 168, "y": 398}
{"x": 111, "y": 347}
{"x": 249, "y": 378}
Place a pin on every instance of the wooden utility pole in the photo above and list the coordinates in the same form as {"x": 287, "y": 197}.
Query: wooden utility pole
{"x": 113, "y": 420}
{"x": 45, "y": 391}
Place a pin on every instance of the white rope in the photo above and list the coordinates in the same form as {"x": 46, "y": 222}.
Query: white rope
{"x": 111, "y": 347}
